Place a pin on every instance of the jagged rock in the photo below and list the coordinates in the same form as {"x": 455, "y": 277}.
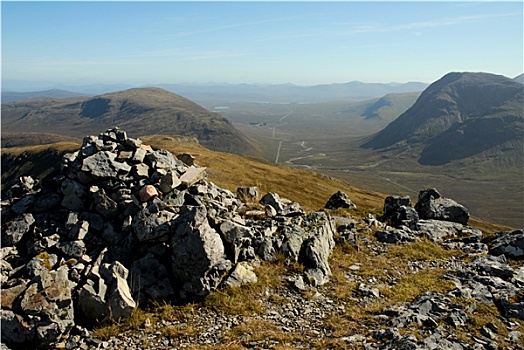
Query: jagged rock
{"x": 106, "y": 295}
{"x": 161, "y": 158}
{"x": 270, "y": 211}
{"x": 273, "y": 199}
{"x": 103, "y": 204}
{"x": 489, "y": 279}
{"x": 439, "y": 231}
{"x": 198, "y": 253}
{"x": 46, "y": 202}
{"x": 10, "y": 294}
{"x": 431, "y": 205}
{"x": 23, "y": 186}
{"x": 16, "y": 332}
{"x": 95, "y": 220}
{"x": 340, "y": 200}
{"x": 27, "y": 183}
{"x": 247, "y": 193}
{"x": 399, "y": 212}
{"x": 393, "y": 203}
{"x": 186, "y": 158}
{"x": 242, "y": 274}
{"x": 16, "y": 229}
{"x": 72, "y": 249}
{"x": 509, "y": 243}
{"x": 74, "y": 194}
{"x": 103, "y": 165}
{"x": 292, "y": 209}
{"x": 396, "y": 236}
{"x": 141, "y": 171}
{"x": 149, "y": 279}
{"x": 22, "y": 205}
{"x": 120, "y": 300}
{"x": 426, "y": 310}
{"x": 40, "y": 264}
{"x": 78, "y": 230}
{"x": 47, "y": 305}
{"x": 316, "y": 247}
{"x": 233, "y": 236}
{"x": 152, "y": 227}
{"x": 298, "y": 283}
{"x": 179, "y": 241}
{"x": 169, "y": 182}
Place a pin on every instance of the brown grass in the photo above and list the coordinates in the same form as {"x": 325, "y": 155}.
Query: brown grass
{"x": 310, "y": 189}
{"x": 58, "y": 147}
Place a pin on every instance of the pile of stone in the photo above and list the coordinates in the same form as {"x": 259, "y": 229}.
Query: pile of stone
{"x": 123, "y": 224}
{"x": 437, "y": 218}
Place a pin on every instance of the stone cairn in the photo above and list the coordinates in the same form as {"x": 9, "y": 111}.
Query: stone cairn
{"x": 123, "y": 224}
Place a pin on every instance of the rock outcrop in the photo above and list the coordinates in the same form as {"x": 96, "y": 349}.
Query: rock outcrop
{"x": 123, "y": 224}
{"x": 431, "y": 205}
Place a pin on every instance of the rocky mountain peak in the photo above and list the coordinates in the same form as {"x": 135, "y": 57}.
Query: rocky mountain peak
{"x": 458, "y": 116}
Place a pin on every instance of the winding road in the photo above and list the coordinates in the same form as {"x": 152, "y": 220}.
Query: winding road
{"x": 280, "y": 123}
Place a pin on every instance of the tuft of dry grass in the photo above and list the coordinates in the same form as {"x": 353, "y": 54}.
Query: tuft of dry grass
{"x": 60, "y": 147}
{"x": 421, "y": 250}
{"x": 410, "y": 286}
{"x": 255, "y": 329}
{"x": 249, "y": 300}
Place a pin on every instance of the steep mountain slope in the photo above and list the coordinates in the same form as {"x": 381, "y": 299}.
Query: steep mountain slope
{"x": 460, "y": 116}
{"x": 141, "y": 111}
{"x": 390, "y": 106}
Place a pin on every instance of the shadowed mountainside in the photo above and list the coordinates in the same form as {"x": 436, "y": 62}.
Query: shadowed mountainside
{"x": 143, "y": 110}
{"x": 459, "y": 116}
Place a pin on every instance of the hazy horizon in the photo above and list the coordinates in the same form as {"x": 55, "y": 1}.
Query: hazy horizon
{"x": 302, "y": 43}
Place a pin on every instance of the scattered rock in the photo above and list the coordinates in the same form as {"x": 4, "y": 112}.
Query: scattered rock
{"x": 509, "y": 243}
{"x": 242, "y": 274}
{"x": 124, "y": 224}
{"x": 340, "y": 200}
{"x": 399, "y": 212}
{"x": 431, "y": 205}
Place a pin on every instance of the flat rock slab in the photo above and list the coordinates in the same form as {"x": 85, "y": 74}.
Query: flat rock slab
{"x": 192, "y": 176}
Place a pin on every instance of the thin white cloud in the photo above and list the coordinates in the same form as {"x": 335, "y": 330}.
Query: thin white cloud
{"x": 439, "y": 22}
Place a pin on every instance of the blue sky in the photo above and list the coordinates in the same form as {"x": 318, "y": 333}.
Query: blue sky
{"x": 303, "y": 43}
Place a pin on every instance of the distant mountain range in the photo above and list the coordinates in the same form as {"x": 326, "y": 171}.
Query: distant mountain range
{"x": 223, "y": 93}
{"x": 142, "y": 111}
{"x": 10, "y": 96}
{"x": 289, "y": 93}
{"x": 460, "y": 116}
